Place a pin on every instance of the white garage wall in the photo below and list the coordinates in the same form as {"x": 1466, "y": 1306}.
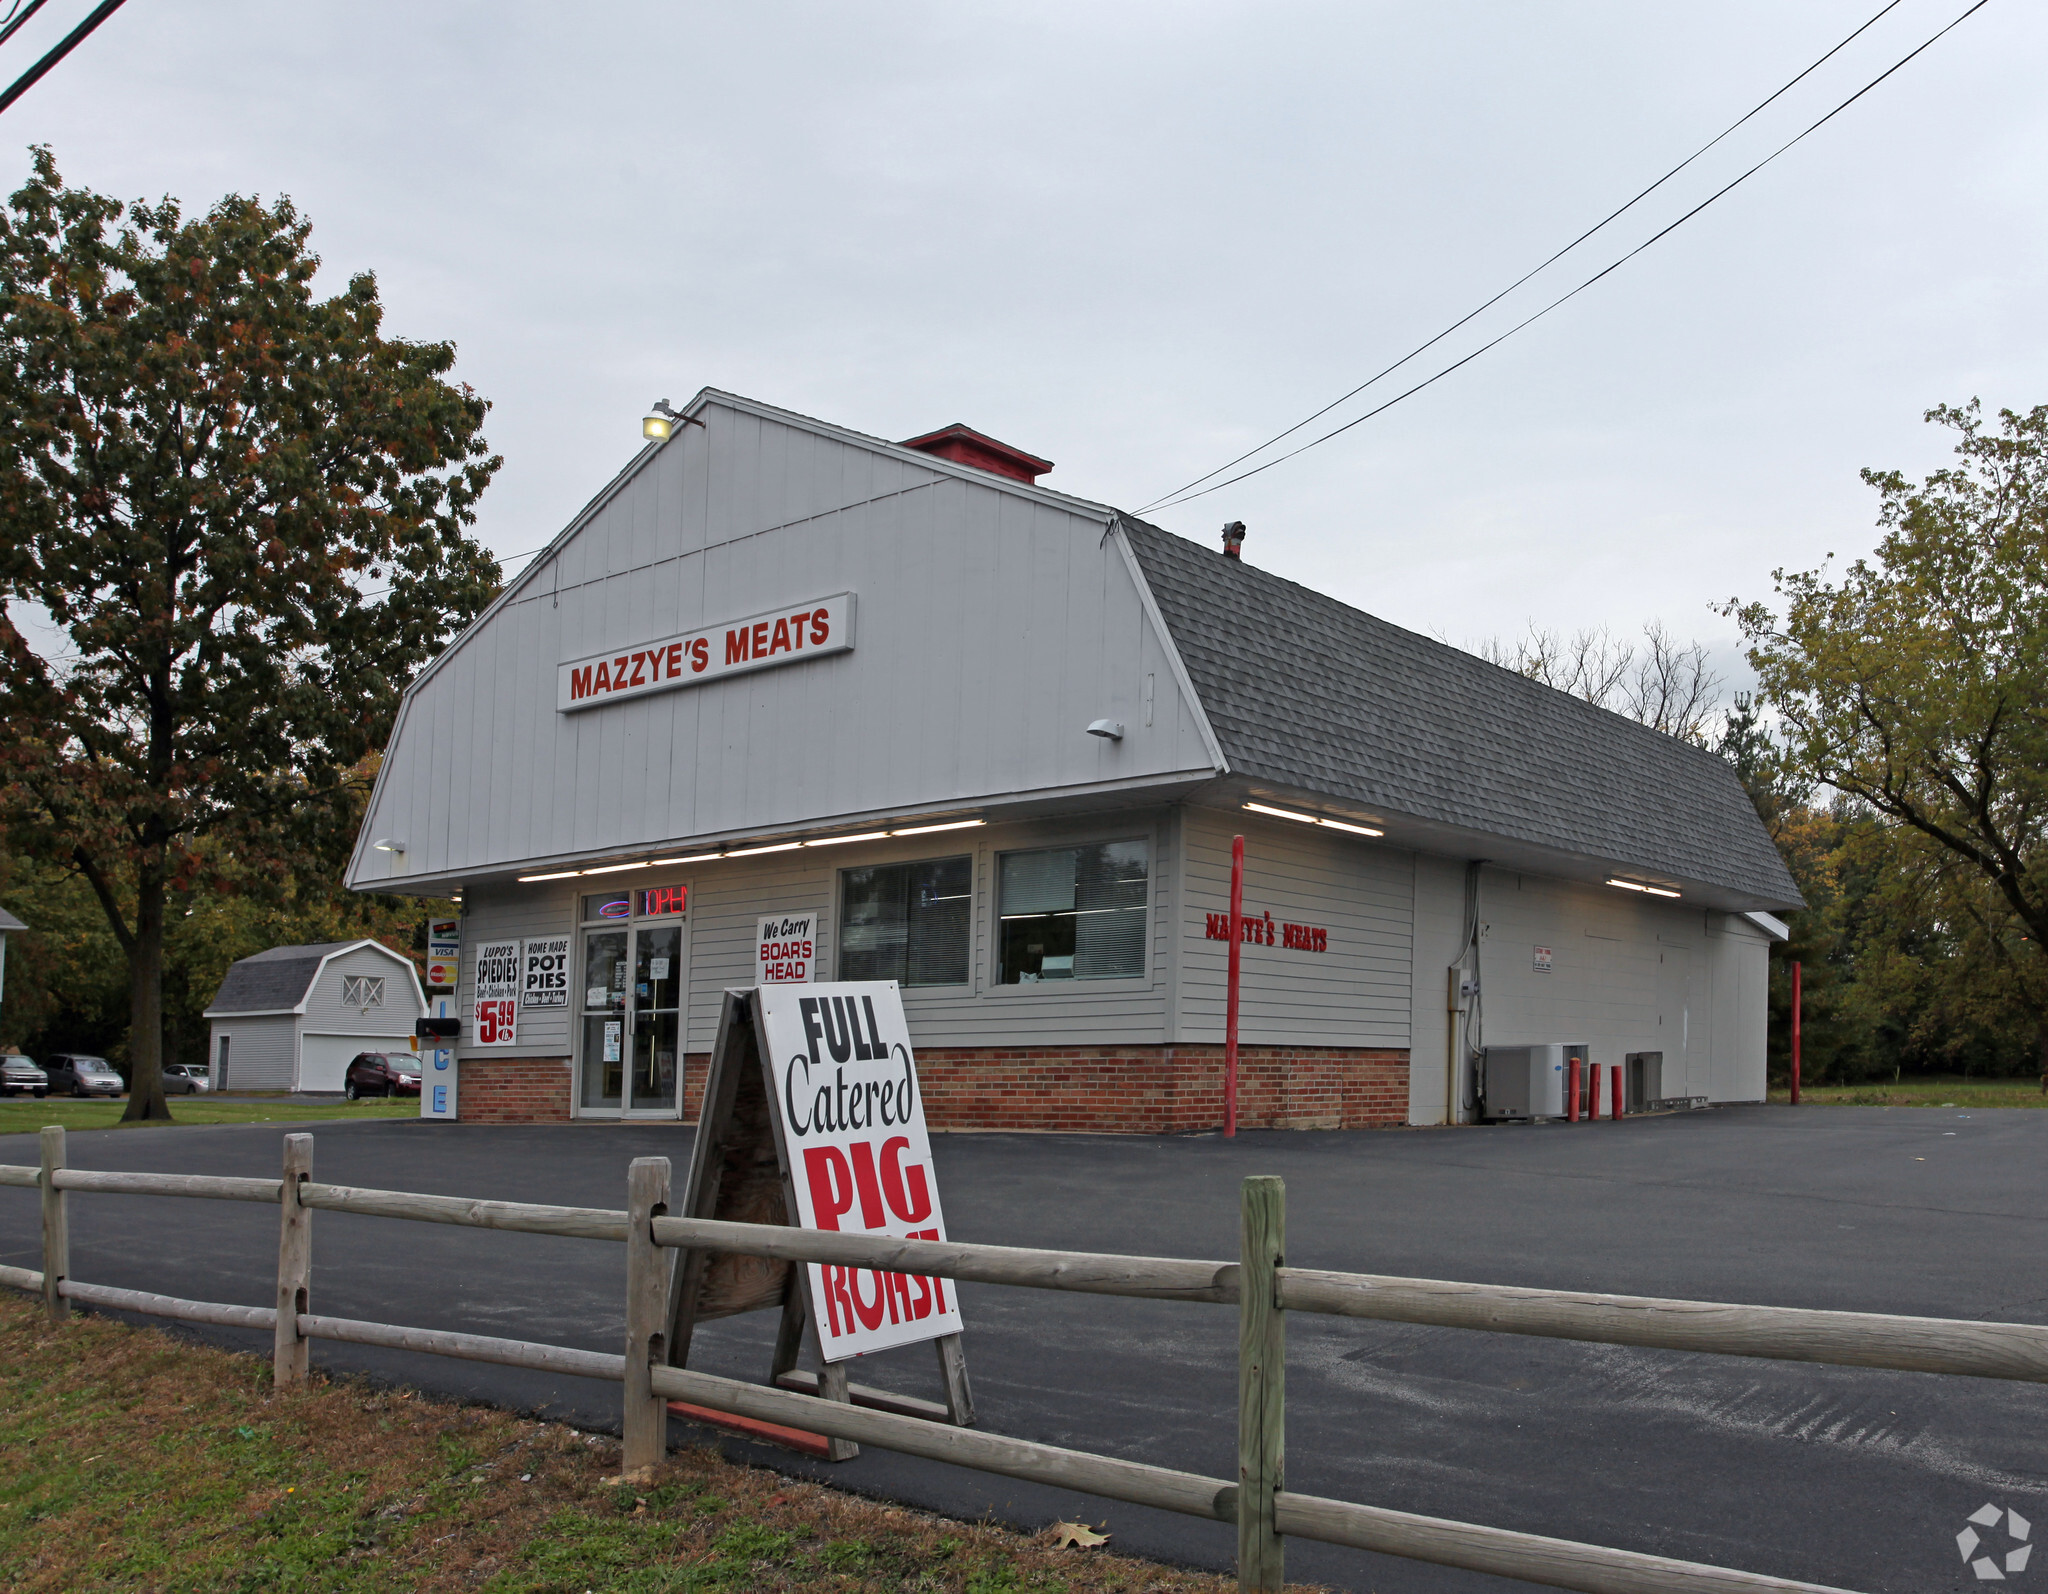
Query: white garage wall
{"x": 261, "y": 1051}
{"x": 324, "y": 1058}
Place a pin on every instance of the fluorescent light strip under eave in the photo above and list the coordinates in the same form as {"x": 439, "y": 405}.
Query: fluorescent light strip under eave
{"x": 836, "y": 841}
{"x": 930, "y": 830}
{"x": 616, "y": 868}
{"x": 1636, "y": 885}
{"x": 755, "y": 852}
{"x": 565, "y": 874}
{"x": 1314, "y": 819}
{"x": 695, "y": 857}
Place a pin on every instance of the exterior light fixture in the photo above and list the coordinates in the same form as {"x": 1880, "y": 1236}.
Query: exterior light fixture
{"x": 930, "y": 830}
{"x": 697, "y": 857}
{"x": 1108, "y": 730}
{"x": 1314, "y": 819}
{"x": 1637, "y": 885}
{"x": 836, "y": 841}
{"x": 388, "y": 844}
{"x": 560, "y": 874}
{"x": 615, "y": 868}
{"x": 655, "y": 427}
{"x": 755, "y": 852}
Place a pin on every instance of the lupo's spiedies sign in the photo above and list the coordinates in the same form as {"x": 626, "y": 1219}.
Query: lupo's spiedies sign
{"x": 852, "y": 1120}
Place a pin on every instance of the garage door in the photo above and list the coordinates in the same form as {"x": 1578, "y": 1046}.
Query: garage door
{"x": 323, "y": 1057}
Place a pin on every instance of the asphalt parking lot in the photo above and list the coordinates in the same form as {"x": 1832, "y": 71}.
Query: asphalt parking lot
{"x": 1834, "y": 1475}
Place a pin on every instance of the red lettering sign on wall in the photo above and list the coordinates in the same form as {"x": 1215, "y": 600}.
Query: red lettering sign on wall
{"x": 1260, "y": 930}
{"x": 786, "y": 635}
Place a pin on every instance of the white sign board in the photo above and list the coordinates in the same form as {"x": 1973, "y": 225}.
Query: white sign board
{"x": 437, "y": 1081}
{"x": 786, "y": 949}
{"x": 788, "y": 635}
{"x": 496, "y": 1004}
{"x": 1539, "y": 960}
{"x": 852, "y": 1124}
{"x": 544, "y": 972}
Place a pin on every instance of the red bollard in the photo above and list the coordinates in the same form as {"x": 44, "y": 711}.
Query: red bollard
{"x": 1618, "y": 1097}
{"x": 1572, "y": 1092}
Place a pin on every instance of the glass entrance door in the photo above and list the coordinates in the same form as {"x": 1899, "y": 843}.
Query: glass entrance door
{"x": 631, "y": 996}
{"x": 657, "y": 1014}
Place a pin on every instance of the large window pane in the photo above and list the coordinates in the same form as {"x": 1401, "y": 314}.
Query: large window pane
{"x": 1074, "y": 913}
{"x": 907, "y": 922}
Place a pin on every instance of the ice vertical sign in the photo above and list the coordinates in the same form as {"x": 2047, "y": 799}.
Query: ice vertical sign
{"x": 852, "y": 1123}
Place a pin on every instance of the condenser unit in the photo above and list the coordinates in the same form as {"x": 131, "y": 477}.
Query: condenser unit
{"x": 1533, "y": 1081}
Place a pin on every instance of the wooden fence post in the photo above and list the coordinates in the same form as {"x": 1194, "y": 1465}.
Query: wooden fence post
{"x": 1261, "y": 1384}
{"x": 294, "y": 1265}
{"x": 56, "y": 1226}
{"x": 646, "y": 1425}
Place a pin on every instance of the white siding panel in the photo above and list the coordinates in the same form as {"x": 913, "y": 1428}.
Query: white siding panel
{"x": 992, "y": 627}
{"x": 511, "y": 913}
{"x": 403, "y": 1002}
{"x": 1358, "y": 993}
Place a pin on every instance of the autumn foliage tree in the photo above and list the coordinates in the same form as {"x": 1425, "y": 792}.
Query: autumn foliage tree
{"x": 1917, "y": 685}
{"x": 245, "y": 510}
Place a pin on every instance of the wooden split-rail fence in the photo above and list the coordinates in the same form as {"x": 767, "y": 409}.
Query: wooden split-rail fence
{"x": 1259, "y": 1283}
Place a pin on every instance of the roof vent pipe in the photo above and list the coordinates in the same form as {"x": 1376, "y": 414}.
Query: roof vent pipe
{"x": 1233, "y": 539}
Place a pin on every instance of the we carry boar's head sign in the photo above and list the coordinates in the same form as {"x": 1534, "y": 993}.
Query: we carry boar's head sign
{"x": 844, "y": 1082}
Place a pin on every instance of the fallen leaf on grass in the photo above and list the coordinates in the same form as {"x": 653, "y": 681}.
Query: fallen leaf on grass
{"x": 636, "y": 1477}
{"x": 1076, "y": 1535}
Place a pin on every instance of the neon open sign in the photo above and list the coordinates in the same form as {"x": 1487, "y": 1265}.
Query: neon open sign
{"x": 658, "y": 900}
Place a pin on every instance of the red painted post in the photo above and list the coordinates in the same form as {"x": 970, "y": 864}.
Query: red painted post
{"x": 1618, "y": 1099}
{"x": 1230, "y": 1001}
{"x": 1572, "y": 1093}
{"x": 1795, "y": 1034}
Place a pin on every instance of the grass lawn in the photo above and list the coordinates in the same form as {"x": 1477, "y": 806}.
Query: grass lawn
{"x": 137, "y": 1460}
{"x": 24, "y": 1115}
{"x": 1936, "y": 1091}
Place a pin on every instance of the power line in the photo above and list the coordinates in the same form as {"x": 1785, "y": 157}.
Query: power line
{"x": 58, "y": 51}
{"x": 16, "y": 16}
{"x": 378, "y": 592}
{"x": 1183, "y": 494}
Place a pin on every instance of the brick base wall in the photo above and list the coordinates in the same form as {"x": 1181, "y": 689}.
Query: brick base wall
{"x": 513, "y": 1090}
{"x": 1161, "y": 1090}
{"x": 1140, "y": 1090}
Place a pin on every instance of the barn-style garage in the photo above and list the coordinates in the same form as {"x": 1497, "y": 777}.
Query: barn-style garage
{"x": 289, "y": 1019}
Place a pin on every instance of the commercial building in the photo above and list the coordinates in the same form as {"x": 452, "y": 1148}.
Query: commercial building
{"x": 942, "y": 725}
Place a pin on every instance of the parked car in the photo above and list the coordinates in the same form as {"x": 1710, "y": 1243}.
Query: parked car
{"x": 20, "y": 1076}
{"x": 185, "y": 1079}
{"x": 80, "y": 1075}
{"x": 381, "y": 1074}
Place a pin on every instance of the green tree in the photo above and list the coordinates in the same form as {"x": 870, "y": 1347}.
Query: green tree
{"x": 1917, "y": 684}
{"x": 205, "y": 469}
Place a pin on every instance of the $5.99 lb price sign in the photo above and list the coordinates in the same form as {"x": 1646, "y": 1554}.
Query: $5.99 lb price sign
{"x": 851, "y": 1117}
{"x": 497, "y": 993}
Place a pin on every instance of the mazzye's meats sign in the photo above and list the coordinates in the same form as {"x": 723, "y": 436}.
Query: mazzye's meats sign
{"x": 786, "y": 635}
{"x": 852, "y": 1123}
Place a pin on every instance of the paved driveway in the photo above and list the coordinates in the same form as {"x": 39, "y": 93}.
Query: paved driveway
{"x": 1836, "y": 1475}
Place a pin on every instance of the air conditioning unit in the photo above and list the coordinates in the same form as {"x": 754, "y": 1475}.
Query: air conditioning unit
{"x": 1531, "y": 1081}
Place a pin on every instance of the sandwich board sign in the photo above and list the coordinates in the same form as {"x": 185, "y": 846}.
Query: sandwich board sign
{"x": 813, "y": 1117}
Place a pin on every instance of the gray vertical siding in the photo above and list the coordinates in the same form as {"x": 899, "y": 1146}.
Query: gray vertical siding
{"x": 991, "y": 627}
{"x": 1628, "y": 973}
{"x": 262, "y": 1052}
{"x": 1358, "y": 993}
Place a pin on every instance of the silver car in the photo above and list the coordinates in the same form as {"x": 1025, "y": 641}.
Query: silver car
{"x": 84, "y": 1076}
{"x": 20, "y": 1076}
{"x": 185, "y": 1079}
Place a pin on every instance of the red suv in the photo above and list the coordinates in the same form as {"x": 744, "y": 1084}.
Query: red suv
{"x": 381, "y": 1074}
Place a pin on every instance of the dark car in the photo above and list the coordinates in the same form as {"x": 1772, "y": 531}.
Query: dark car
{"x": 19, "y": 1074}
{"x": 381, "y": 1074}
{"x": 81, "y": 1075}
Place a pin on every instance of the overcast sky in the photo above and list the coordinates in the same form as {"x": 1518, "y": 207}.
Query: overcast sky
{"x": 1138, "y": 238}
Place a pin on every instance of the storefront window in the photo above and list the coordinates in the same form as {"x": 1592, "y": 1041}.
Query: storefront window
{"x": 906, "y": 921}
{"x": 1074, "y": 913}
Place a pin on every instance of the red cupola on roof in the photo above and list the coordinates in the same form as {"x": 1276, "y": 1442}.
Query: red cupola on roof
{"x": 965, "y": 446}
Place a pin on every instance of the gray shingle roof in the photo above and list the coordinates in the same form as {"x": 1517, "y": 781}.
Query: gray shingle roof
{"x": 9, "y": 922}
{"x": 1309, "y": 692}
{"x": 273, "y": 981}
